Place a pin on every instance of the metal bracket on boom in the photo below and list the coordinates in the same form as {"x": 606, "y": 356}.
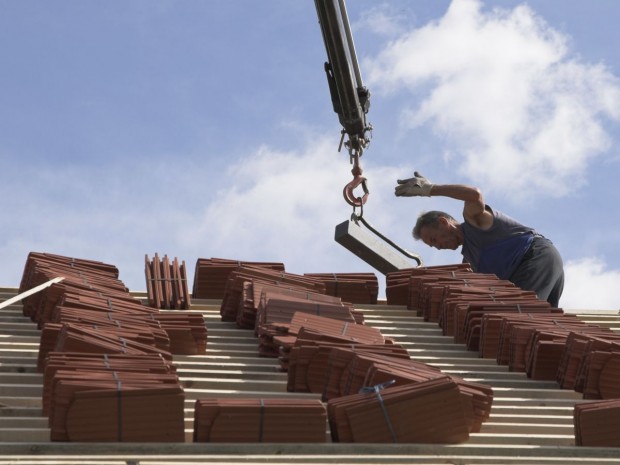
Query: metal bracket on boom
{"x": 350, "y": 99}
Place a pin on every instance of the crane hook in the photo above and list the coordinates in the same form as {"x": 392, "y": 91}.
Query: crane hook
{"x": 358, "y": 180}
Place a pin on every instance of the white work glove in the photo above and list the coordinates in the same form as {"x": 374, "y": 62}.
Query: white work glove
{"x": 418, "y": 186}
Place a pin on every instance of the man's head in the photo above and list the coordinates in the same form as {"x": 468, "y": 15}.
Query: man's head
{"x": 438, "y": 229}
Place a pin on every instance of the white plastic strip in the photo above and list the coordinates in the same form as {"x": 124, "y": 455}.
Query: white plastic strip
{"x": 29, "y": 292}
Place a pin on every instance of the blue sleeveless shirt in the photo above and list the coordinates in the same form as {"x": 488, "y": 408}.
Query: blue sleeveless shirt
{"x": 499, "y": 249}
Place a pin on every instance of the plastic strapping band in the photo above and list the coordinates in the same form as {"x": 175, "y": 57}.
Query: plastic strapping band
{"x": 262, "y": 415}
{"x": 344, "y": 328}
{"x": 351, "y": 368}
{"x": 327, "y": 378}
{"x": 106, "y": 361}
{"x": 119, "y": 388}
{"x": 376, "y": 388}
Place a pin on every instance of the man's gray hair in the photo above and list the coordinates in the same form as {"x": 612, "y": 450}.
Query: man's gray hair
{"x": 430, "y": 219}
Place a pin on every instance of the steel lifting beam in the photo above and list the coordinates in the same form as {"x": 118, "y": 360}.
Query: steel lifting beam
{"x": 369, "y": 248}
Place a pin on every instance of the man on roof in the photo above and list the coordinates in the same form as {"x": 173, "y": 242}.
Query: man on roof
{"x": 491, "y": 241}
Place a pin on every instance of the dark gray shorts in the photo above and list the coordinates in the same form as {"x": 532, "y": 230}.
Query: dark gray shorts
{"x": 541, "y": 270}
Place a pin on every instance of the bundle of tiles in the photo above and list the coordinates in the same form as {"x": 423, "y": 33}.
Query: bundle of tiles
{"x": 239, "y": 302}
{"x": 81, "y": 274}
{"x": 356, "y": 288}
{"x": 535, "y": 343}
{"x": 278, "y": 315}
{"x": 187, "y": 332}
{"x": 115, "y": 398}
{"x": 211, "y": 275}
{"x": 431, "y": 293}
{"x": 551, "y": 345}
{"x": 428, "y": 412}
{"x": 590, "y": 363}
{"x": 398, "y": 283}
{"x": 77, "y": 338}
{"x": 282, "y": 340}
{"x": 275, "y": 305}
{"x": 260, "y": 420}
{"x": 597, "y": 423}
{"x": 60, "y": 298}
{"x": 166, "y": 283}
{"x": 88, "y": 317}
{"x": 315, "y": 366}
{"x": 479, "y": 324}
{"x": 520, "y": 339}
{"x": 347, "y": 371}
{"x": 463, "y": 306}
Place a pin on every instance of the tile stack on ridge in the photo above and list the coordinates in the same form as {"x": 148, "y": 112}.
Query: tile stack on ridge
{"x": 597, "y": 423}
{"x": 211, "y": 275}
{"x": 166, "y": 283}
{"x": 319, "y": 328}
{"x": 255, "y": 297}
{"x": 338, "y": 372}
{"x": 268, "y": 302}
{"x": 522, "y": 332}
{"x": 425, "y": 412}
{"x": 239, "y": 304}
{"x": 314, "y": 365}
{"x": 293, "y": 313}
{"x": 398, "y": 286}
{"x": 260, "y": 420}
{"x": 356, "y": 288}
{"x": 98, "y": 385}
{"x": 278, "y": 328}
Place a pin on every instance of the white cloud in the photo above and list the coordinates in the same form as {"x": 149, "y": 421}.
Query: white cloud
{"x": 284, "y": 206}
{"x": 516, "y": 111}
{"x": 382, "y": 19}
{"x": 589, "y": 285}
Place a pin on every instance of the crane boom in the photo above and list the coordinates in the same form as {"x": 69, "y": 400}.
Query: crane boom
{"x": 350, "y": 99}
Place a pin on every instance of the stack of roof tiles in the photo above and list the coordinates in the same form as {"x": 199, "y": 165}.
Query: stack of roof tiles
{"x": 424, "y": 412}
{"x": 398, "y": 286}
{"x": 211, "y": 275}
{"x": 341, "y": 372}
{"x": 259, "y": 420}
{"x": 166, "y": 283}
{"x": 500, "y": 321}
{"x": 324, "y": 345}
{"x": 240, "y": 303}
{"x": 356, "y": 288}
{"x": 597, "y": 423}
{"x": 105, "y": 357}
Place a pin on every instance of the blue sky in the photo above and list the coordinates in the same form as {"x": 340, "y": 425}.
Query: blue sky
{"x": 204, "y": 129}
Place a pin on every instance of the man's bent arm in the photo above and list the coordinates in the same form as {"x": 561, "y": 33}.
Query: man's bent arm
{"x": 474, "y": 210}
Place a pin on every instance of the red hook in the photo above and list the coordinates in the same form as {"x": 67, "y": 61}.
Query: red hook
{"x": 358, "y": 179}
